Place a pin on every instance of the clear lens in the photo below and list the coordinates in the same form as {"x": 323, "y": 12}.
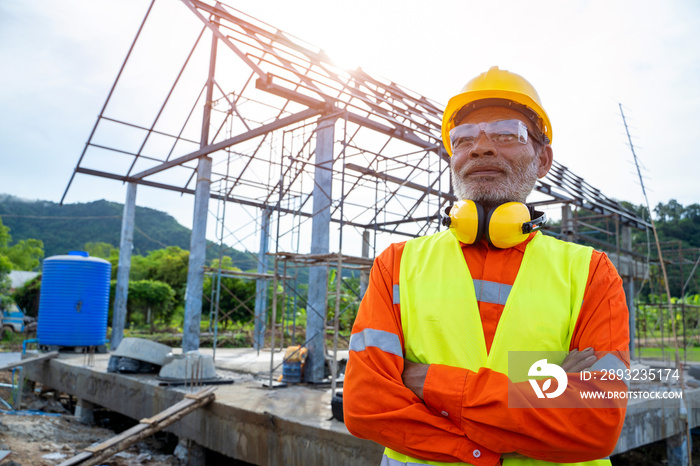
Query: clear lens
{"x": 464, "y": 136}
{"x": 501, "y": 133}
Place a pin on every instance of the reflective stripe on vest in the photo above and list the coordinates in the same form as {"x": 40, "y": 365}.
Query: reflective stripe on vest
{"x": 440, "y": 315}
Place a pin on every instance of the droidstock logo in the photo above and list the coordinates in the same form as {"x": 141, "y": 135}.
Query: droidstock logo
{"x": 542, "y": 368}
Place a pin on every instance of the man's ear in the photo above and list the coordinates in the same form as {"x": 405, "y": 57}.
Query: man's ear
{"x": 546, "y": 156}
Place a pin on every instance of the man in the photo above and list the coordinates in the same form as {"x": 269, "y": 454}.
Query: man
{"x": 428, "y": 375}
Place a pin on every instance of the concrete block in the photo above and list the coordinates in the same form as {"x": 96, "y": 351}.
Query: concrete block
{"x": 188, "y": 366}
{"x": 143, "y": 350}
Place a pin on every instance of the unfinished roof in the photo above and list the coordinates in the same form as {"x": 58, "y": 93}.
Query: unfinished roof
{"x": 390, "y": 172}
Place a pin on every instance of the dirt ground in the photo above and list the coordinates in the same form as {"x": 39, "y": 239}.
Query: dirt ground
{"x": 45, "y": 441}
{"x": 51, "y": 434}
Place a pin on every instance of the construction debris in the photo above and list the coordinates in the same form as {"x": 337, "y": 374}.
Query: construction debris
{"x": 146, "y": 427}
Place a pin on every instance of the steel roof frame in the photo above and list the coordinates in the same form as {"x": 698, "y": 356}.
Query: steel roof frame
{"x": 389, "y": 152}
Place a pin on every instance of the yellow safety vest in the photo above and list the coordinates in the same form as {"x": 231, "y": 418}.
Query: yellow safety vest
{"x": 441, "y": 321}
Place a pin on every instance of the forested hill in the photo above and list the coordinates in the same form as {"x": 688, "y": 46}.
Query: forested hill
{"x": 70, "y": 226}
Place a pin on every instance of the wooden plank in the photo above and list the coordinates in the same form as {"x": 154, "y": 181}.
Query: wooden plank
{"x": 25, "y": 362}
{"x": 185, "y": 403}
{"x": 147, "y": 427}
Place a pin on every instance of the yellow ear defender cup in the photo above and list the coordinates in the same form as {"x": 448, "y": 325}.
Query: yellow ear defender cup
{"x": 505, "y": 226}
{"x": 466, "y": 221}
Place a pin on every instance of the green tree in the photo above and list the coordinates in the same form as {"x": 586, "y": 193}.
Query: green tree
{"x": 27, "y": 296}
{"x": 670, "y": 212}
{"x": 26, "y": 254}
{"x": 100, "y": 249}
{"x": 5, "y": 237}
{"x": 678, "y": 228}
{"x": 148, "y": 301}
{"x": 169, "y": 265}
{"x": 349, "y": 300}
{"x": 236, "y": 295}
{"x": 5, "y": 268}
{"x": 153, "y": 299}
{"x": 5, "y": 262}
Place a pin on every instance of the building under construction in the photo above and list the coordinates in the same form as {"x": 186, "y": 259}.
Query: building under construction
{"x": 319, "y": 168}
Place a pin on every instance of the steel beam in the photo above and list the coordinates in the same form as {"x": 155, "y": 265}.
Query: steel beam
{"x": 399, "y": 181}
{"x": 109, "y": 96}
{"x": 259, "y": 205}
{"x": 404, "y": 134}
{"x": 208, "y": 149}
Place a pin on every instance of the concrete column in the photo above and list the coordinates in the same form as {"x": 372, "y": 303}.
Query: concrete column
{"x": 190, "y": 453}
{"x": 124, "y": 267}
{"x": 198, "y": 249}
{"x": 318, "y": 276}
{"x": 85, "y": 411}
{"x": 364, "y": 276}
{"x": 567, "y": 223}
{"x": 198, "y": 241}
{"x": 261, "y": 283}
{"x": 677, "y": 450}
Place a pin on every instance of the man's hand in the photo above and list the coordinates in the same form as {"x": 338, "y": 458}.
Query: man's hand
{"x": 576, "y": 360}
{"x": 414, "y": 373}
{"x": 414, "y": 376}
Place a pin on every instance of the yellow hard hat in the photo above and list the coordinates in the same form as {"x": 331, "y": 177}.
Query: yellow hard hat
{"x": 503, "y": 86}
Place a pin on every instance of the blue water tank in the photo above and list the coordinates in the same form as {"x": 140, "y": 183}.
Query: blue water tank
{"x": 74, "y": 300}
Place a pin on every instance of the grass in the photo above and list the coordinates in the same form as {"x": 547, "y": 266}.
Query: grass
{"x": 691, "y": 354}
{"x": 12, "y": 341}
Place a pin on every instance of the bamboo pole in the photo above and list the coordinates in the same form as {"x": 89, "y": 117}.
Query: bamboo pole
{"x": 145, "y": 428}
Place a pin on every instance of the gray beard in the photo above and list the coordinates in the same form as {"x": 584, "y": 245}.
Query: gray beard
{"x": 517, "y": 185}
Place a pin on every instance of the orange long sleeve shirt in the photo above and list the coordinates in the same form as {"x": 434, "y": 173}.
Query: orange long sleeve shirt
{"x": 465, "y": 416}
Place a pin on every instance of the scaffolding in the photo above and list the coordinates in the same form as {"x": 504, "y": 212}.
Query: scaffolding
{"x": 654, "y": 314}
{"x": 287, "y": 143}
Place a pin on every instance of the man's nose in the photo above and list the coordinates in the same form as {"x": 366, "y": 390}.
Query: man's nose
{"x": 483, "y": 147}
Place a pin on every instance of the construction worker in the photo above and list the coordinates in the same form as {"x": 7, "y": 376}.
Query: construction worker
{"x": 428, "y": 375}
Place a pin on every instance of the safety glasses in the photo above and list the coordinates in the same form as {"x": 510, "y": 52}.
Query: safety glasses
{"x": 500, "y": 133}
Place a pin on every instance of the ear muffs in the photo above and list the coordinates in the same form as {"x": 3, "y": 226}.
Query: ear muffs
{"x": 505, "y": 226}
{"x": 466, "y": 221}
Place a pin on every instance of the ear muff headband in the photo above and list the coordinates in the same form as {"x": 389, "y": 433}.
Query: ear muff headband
{"x": 505, "y": 226}
{"x": 537, "y": 222}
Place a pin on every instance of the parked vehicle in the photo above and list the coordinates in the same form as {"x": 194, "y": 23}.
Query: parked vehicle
{"x": 14, "y": 319}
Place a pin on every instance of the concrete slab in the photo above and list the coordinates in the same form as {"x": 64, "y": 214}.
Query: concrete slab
{"x": 7, "y": 358}
{"x": 287, "y": 426}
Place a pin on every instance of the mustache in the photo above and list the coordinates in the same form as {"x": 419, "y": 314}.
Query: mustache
{"x": 469, "y": 167}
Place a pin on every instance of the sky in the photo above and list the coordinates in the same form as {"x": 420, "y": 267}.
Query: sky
{"x": 59, "y": 60}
